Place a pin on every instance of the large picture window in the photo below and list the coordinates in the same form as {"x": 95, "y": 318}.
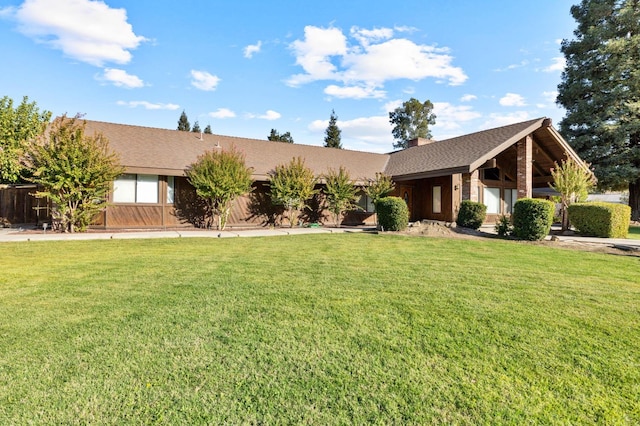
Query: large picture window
{"x": 130, "y": 188}
{"x": 492, "y": 200}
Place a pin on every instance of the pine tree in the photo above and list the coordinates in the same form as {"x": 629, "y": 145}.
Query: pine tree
{"x": 196, "y": 127}
{"x": 600, "y": 90}
{"x": 277, "y": 137}
{"x": 207, "y": 130}
{"x": 183, "y": 122}
{"x": 332, "y": 138}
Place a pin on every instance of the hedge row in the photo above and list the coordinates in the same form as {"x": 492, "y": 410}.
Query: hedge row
{"x": 605, "y": 220}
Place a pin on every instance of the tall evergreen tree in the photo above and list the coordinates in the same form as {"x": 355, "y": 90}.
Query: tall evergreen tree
{"x": 196, "y": 127}
{"x": 600, "y": 90}
{"x": 183, "y": 122}
{"x": 277, "y": 137}
{"x": 332, "y": 138}
{"x": 207, "y": 130}
{"x": 411, "y": 121}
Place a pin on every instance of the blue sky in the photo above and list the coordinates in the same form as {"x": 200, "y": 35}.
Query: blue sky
{"x": 245, "y": 67}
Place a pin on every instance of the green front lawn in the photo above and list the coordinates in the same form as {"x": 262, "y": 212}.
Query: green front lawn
{"x": 317, "y": 329}
{"x": 634, "y": 232}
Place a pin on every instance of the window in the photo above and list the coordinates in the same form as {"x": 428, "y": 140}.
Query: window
{"x": 492, "y": 200}
{"x": 130, "y": 188}
{"x": 510, "y": 197}
{"x": 365, "y": 203}
{"x": 492, "y": 174}
{"x": 171, "y": 189}
{"x": 437, "y": 199}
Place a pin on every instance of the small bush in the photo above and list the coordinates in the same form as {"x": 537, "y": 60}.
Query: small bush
{"x": 503, "y": 226}
{"x": 532, "y": 218}
{"x": 471, "y": 214}
{"x": 393, "y": 214}
{"x": 605, "y": 220}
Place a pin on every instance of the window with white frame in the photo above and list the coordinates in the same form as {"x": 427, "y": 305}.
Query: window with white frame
{"x": 492, "y": 200}
{"x": 131, "y": 188}
{"x": 437, "y": 199}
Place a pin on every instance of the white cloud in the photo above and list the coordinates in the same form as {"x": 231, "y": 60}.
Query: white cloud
{"x": 85, "y": 30}
{"x": 366, "y": 37}
{"x": 550, "y": 96}
{"x": 148, "y": 105}
{"x": 512, "y": 99}
{"x": 314, "y": 54}
{"x": 270, "y": 115}
{"x": 354, "y": 92}
{"x": 374, "y": 58}
{"x": 521, "y": 64}
{"x": 498, "y": 120}
{"x": 121, "y": 78}
{"x": 204, "y": 81}
{"x": 222, "y": 113}
{"x": 468, "y": 98}
{"x": 451, "y": 117}
{"x": 558, "y": 64}
{"x": 251, "y": 49}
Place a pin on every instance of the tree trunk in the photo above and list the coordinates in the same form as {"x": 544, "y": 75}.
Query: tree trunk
{"x": 634, "y": 199}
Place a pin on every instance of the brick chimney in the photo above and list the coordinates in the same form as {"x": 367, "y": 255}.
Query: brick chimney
{"x": 419, "y": 142}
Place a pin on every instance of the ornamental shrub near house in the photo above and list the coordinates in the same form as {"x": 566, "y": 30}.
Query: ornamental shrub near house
{"x": 605, "y": 220}
{"x": 393, "y": 214}
{"x": 471, "y": 214}
{"x": 532, "y": 218}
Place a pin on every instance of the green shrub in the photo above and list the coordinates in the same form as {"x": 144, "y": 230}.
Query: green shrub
{"x": 471, "y": 214}
{"x": 503, "y": 226}
{"x": 393, "y": 214}
{"x": 606, "y": 220}
{"x": 532, "y": 218}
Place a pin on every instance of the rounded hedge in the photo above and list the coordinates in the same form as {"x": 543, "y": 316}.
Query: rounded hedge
{"x": 471, "y": 214}
{"x": 532, "y": 218}
{"x": 393, "y": 214}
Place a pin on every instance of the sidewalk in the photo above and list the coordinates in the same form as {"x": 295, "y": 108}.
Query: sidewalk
{"x": 17, "y": 235}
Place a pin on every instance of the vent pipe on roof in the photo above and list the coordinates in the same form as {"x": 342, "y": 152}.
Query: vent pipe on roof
{"x": 200, "y": 135}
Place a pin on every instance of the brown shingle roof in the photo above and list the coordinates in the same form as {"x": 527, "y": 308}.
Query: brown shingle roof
{"x": 457, "y": 155}
{"x": 169, "y": 152}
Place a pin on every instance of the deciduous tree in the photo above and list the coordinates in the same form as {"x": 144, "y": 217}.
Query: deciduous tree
{"x": 292, "y": 186}
{"x": 75, "y": 171}
{"x": 332, "y": 133}
{"x": 341, "y": 193}
{"x": 18, "y": 127}
{"x": 600, "y": 90}
{"x": 220, "y": 177}
{"x": 277, "y": 137}
{"x": 573, "y": 181}
{"x": 411, "y": 121}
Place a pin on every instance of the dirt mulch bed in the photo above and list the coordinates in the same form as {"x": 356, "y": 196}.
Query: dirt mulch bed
{"x": 440, "y": 230}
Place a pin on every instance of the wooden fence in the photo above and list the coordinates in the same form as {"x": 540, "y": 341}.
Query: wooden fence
{"x": 18, "y": 205}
